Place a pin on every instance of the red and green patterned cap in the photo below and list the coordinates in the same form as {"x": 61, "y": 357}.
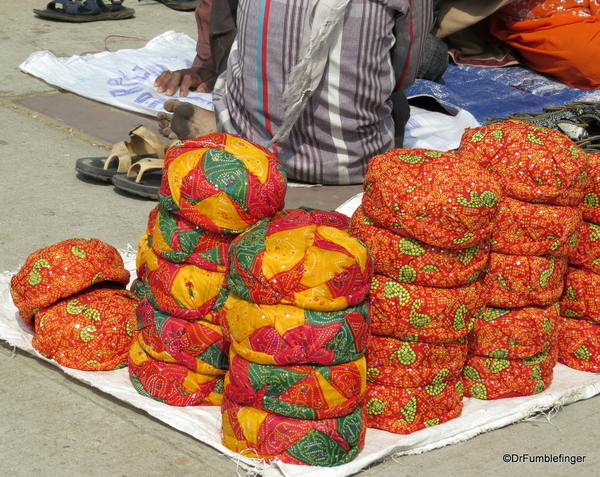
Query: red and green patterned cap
{"x": 579, "y": 344}
{"x": 581, "y": 295}
{"x": 587, "y": 251}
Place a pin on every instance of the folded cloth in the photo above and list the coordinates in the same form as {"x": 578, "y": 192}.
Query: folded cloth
{"x": 286, "y": 334}
{"x": 144, "y": 258}
{"x": 304, "y": 216}
{"x": 180, "y": 241}
{"x": 514, "y": 281}
{"x": 197, "y": 344}
{"x": 185, "y": 290}
{"x": 406, "y": 410}
{"x": 256, "y": 433}
{"x": 581, "y": 296}
{"x": 440, "y": 198}
{"x": 90, "y": 330}
{"x": 305, "y": 264}
{"x": 495, "y": 378}
{"x": 61, "y": 270}
{"x": 524, "y": 228}
{"x": 302, "y": 391}
{"x": 161, "y": 378}
{"x": 591, "y": 202}
{"x": 222, "y": 182}
{"x": 513, "y": 333}
{"x": 393, "y": 362}
{"x": 425, "y": 314}
{"x": 579, "y": 344}
{"x": 409, "y": 260}
{"x": 587, "y": 252}
{"x": 533, "y": 163}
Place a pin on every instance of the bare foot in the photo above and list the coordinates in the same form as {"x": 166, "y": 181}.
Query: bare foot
{"x": 186, "y": 122}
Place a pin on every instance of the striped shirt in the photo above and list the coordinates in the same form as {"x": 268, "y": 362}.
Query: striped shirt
{"x": 376, "y": 49}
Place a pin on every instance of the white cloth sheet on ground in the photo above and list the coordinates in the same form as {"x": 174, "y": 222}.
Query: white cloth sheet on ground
{"x": 203, "y": 422}
{"x": 122, "y": 78}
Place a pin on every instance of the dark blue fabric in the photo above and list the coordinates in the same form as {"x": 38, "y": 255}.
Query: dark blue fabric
{"x": 495, "y": 92}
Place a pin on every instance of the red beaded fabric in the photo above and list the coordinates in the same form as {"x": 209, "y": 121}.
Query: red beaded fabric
{"x": 591, "y": 201}
{"x": 61, "y": 270}
{"x": 441, "y": 198}
{"x": 533, "y": 163}
{"x": 581, "y": 297}
{"x": 90, "y": 330}
{"x": 587, "y": 252}
{"x": 579, "y": 344}
{"x": 409, "y": 260}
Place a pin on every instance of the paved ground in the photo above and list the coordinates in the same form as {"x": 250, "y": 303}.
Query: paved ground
{"x": 52, "y": 425}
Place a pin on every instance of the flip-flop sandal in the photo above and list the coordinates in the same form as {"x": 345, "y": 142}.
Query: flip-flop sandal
{"x": 143, "y": 178}
{"x": 85, "y": 11}
{"x": 184, "y": 5}
{"x": 142, "y": 143}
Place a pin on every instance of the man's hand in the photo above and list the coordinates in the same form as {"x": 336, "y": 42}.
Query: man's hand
{"x": 185, "y": 80}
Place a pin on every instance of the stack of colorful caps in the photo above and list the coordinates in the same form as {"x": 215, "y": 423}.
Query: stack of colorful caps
{"x": 298, "y": 328}
{"x": 426, "y": 217}
{"x": 544, "y": 177}
{"x": 213, "y": 188}
{"x": 73, "y": 295}
{"x": 579, "y": 339}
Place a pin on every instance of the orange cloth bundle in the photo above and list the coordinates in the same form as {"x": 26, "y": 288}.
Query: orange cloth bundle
{"x": 514, "y": 281}
{"x": 591, "y": 202}
{"x": 398, "y": 363}
{"x": 441, "y": 198}
{"x": 256, "y": 433}
{"x": 286, "y": 334}
{"x": 222, "y": 182}
{"x": 514, "y": 333}
{"x": 415, "y": 313}
{"x": 581, "y": 296}
{"x": 409, "y": 260}
{"x": 495, "y": 378}
{"x": 587, "y": 252}
{"x": 177, "y": 240}
{"x": 185, "y": 290}
{"x": 303, "y": 391}
{"x": 579, "y": 344}
{"x": 406, "y": 410}
{"x": 160, "y": 377}
{"x": 197, "y": 344}
{"x": 61, "y": 270}
{"x": 90, "y": 330}
{"x": 301, "y": 263}
{"x": 144, "y": 258}
{"x": 533, "y": 163}
{"x": 524, "y": 228}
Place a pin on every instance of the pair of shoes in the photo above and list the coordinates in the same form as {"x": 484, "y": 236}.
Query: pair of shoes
{"x": 85, "y": 10}
{"x": 134, "y": 166}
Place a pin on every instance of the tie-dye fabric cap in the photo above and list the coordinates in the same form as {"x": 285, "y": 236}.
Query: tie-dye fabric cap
{"x": 311, "y": 266}
{"x": 524, "y": 228}
{"x": 581, "y": 296}
{"x": 514, "y": 333}
{"x": 197, "y": 344}
{"x": 178, "y": 240}
{"x": 301, "y": 391}
{"x": 513, "y": 281}
{"x": 495, "y": 378}
{"x": 440, "y": 198}
{"x": 222, "y": 182}
{"x": 185, "y": 290}
{"x": 409, "y": 260}
{"x": 393, "y": 362}
{"x": 587, "y": 252}
{"x": 406, "y": 410}
{"x": 533, "y": 163}
{"x": 160, "y": 377}
{"x": 61, "y": 270}
{"x": 144, "y": 258}
{"x": 591, "y": 201}
{"x": 256, "y": 433}
{"x": 579, "y": 344}
{"x": 416, "y": 313}
{"x": 90, "y": 330}
{"x": 286, "y": 334}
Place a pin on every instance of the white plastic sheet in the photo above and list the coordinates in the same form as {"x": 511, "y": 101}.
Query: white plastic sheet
{"x": 123, "y": 78}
